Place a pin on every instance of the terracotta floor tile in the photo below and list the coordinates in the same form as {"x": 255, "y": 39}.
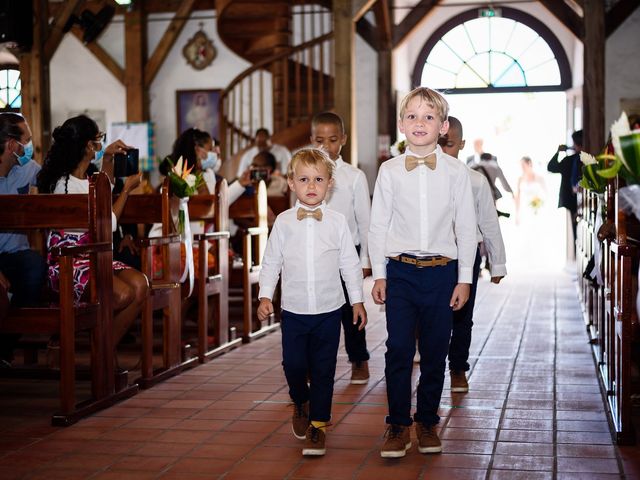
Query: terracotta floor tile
{"x": 522, "y": 462}
{"x": 161, "y": 449}
{"x": 59, "y": 473}
{"x": 526, "y": 424}
{"x": 586, "y": 451}
{"x": 396, "y": 470}
{"x": 435, "y": 473}
{"x": 588, "y": 476}
{"x": 514, "y": 448}
{"x": 116, "y": 474}
{"x": 520, "y": 436}
{"x": 202, "y": 465}
{"x": 143, "y": 463}
{"x": 584, "y": 437}
{"x": 587, "y": 465}
{"x": 529, "y": 414}
{"x": 84, "y": 461}
{"x": 253, "y": 468}
{"x": 152, "y": 422}
{"x": 488, "y": 435}
{"x": 455, "y": 460}
{"x": 519, "y": 475}
{"x": 582, "y": 426}
{"x": 252, "y": 426}
{"x": 473, "y": 422}
{"x": 467, "y": 446}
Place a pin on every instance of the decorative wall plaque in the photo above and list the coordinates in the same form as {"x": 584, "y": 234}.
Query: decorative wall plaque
{"x": 199, "y": 50}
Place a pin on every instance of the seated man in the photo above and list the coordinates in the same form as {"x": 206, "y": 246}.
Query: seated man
{"x": 22, "y": 271}
{"x": 263, "y": 167}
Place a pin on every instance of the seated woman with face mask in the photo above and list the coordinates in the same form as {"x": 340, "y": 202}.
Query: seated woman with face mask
{"x": 200, "y": 151}
{"x": 77, "y": 144}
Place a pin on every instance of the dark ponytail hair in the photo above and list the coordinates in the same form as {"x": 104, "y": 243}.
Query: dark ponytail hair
{"x": 185, "y": 147}
{"x": 67, "y": 150}
{"x": 10, "y": 128}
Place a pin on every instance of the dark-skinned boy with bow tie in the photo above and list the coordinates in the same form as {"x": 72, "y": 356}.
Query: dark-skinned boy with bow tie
{"x": 311, "y": 246}
{"x": 422, "y": 246}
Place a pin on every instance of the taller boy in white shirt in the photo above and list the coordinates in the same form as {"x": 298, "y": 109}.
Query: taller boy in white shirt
{"x": 311, "y": 245}
{"x": 422, "y": 244}
{"x": 349, "y": 196}
{"x": 488, "y": 231}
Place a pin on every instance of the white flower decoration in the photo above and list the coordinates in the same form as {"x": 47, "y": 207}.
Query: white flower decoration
{"x": 587, "y": 159}
{"x": 620, "y": 128}
{"x": 191, "y": 180}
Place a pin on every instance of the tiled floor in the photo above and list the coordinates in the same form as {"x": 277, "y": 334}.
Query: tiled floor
{"x": 534, "y": 411}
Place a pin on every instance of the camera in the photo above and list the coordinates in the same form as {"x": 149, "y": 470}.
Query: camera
{"x": 259, "y": 173}
{"x": 126, "y": 164}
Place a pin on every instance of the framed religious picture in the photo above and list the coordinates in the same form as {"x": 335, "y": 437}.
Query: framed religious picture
{"x": 197, "y": 109}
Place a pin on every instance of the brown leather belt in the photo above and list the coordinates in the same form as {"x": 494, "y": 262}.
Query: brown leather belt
{"x": 422, "y": 263}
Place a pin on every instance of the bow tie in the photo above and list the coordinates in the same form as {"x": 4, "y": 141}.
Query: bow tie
{"x": 411, "y": 162}
{"x": 304, "y": 213}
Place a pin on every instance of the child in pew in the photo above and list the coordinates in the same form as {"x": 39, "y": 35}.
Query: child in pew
{"x": 349, "y": 196}
{"x": 76, "y": 144}
{"x": 422, "y": 244}
{"x": 488, "y": 232}
{"x": 311, "y": 246}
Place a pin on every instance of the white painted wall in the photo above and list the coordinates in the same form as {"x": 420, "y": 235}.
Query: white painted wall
{"x": 622, "y": 68}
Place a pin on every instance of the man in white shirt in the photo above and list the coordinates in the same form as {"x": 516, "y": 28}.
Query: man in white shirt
{"x": 311, "y": 246}
{"x": 488, "y": 231}
{"x": 422, "y": 244}
{"x": 349, "y": 196}
{"x": 263, "y": 142}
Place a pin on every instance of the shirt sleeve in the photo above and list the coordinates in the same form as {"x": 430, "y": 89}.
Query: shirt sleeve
{"x": 503, "y": 180}
{"x": 490, "y": 229}
{"x": 554, "y": 166}
{"x": 381, "y": 212}
{"x": 235, "y": 191}
{"x": 362, "y": 210}
{"x": 350, "y": 265}
{"x": 271, "y": 264}
{"x": 245, "y": 161}
{"x": 465, "y": 227}
{"x": 209, "y": 178}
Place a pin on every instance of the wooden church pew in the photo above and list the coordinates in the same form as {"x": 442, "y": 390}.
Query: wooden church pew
{"x": 65, "y": 317}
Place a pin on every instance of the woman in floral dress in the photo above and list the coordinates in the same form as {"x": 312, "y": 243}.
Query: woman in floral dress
{"x": 77, "y": 144}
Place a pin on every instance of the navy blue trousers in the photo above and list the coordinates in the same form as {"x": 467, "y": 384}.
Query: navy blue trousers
{"x": 417, "y": 301}
{"x": 462, "y": 324}
{"x": 310, "y": 345}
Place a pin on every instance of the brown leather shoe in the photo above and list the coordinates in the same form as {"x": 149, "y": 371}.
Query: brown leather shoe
{"x": 459, "y": 382}
{"x": 314, "y": 442}
{"x": 359, "y": 373}
{"x": 397, "y": 443}
{"x": 300, "y": 420}
{"x": 428, "y": 441}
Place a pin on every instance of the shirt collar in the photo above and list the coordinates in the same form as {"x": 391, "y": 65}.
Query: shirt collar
{"x": 437, "y": 151}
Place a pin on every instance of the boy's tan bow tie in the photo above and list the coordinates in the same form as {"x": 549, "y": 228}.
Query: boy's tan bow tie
{"x": 411, "y": 162}
{"x": 304, "y": 213}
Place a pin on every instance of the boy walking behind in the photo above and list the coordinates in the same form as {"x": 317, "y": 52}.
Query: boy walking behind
{"x": 349, "y": 196}
{"x": 488, "y": 231}
{"x": 422, "y": 243}
{"x": 311, "y": 245}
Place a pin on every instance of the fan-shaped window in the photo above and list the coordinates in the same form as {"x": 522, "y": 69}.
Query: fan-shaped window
{"x": 10, "y": 89}
{"x": 514, "y": 52}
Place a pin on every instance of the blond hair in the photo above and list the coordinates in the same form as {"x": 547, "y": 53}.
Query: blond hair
{"x": 434, "y": 99}
{"x": 311, "y": 157}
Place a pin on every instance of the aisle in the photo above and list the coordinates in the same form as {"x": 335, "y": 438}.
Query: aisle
{"x": 534, "y": 411}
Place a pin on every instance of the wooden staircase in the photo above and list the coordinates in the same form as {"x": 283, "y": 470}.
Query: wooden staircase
{"x": 290, "y": 46}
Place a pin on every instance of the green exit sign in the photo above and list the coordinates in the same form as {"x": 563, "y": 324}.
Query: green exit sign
{"x": 489, "y": 12}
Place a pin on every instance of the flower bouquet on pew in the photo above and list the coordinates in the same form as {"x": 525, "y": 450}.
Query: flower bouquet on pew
{"x": 185, "y": 183}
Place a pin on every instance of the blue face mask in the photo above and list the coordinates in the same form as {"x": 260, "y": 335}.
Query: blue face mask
{"x": 97, "y": 159}
{"x": 27, "y": 155}
{"x": 212, "y": 161}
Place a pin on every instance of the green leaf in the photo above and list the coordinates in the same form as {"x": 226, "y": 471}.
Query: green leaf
{"x": 611, "y": 171}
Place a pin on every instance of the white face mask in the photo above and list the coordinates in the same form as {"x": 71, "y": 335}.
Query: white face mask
{"x": 213, "y": 161}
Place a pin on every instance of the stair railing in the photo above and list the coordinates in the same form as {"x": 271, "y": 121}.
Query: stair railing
{"x": 252, "y": 100}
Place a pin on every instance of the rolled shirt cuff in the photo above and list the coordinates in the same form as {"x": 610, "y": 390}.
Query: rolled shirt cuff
{"x": 266, "y": 291}
{"x": 465, "y": 275}
{"x": 498, "y": 270}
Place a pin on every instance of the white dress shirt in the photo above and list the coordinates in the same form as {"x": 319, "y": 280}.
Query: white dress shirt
{"x": 488, "y": 230}
{"x": 311, "y": 255}
{"x": 350, "y": 197}
{"x": 282, "y": 154}
{"x": 423, "y": 212}
{"x": 79, "y": 185}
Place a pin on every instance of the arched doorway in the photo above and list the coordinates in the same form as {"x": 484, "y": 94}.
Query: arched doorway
{"x": 505, "y": 78}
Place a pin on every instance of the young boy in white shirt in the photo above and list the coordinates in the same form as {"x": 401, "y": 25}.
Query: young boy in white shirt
{"x": 488, "y": 231}
{"x": 422, "y": 244}
{"x": 349, "y": 196}
{"x": 312, "y": 246}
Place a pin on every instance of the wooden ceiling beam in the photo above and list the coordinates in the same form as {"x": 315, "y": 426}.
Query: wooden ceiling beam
{"x": 618, "y": 14}
{"x": 411, "y": 21}
{"x": 102, "y": 55}
{"x": 55, "y": 29}
{"x": 167, "y": 41}
{"x": 383, "y": 23}
{"x": 150, "y": 6}
{"x": 368, "y": 33}
{"x": 566, "y": 15}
